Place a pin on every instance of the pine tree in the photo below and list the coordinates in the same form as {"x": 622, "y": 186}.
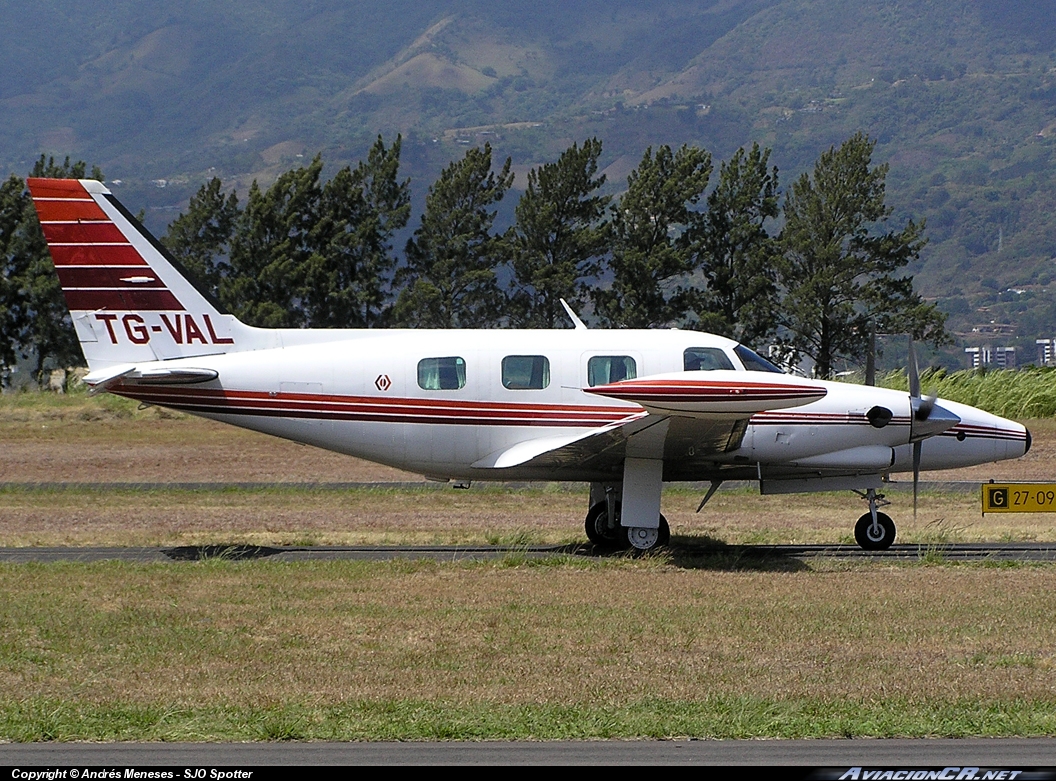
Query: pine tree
{"x": 14, "y": 202}
{"x": 450, "y": 277}
{"x": 559, "y": 232}
{"x": 839, "y": 269}
{"x": 200, "y": 238}
{"x": 649, "y": 245}
{"x": 270, "y": 248}
{"x": 347, "y": 279}
{"x": 734, "y": 252}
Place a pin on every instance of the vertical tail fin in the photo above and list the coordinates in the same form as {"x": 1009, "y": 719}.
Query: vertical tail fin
{"x": 129, "y": 298}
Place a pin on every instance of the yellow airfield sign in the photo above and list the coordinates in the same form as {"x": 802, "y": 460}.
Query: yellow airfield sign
{"x": 1019, "y": 498}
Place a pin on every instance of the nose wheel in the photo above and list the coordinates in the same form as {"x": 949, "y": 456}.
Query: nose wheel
{"x": 875, "y": 530}
{"x": 876, "y": 535}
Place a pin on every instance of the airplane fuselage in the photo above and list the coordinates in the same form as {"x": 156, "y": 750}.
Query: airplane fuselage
{"x": 366, "y": 396}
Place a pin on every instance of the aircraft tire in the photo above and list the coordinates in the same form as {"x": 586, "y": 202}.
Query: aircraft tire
{"x": 597, "y": 527}
{"x": 663, "y": 537}
{"x": 866, "y": 539}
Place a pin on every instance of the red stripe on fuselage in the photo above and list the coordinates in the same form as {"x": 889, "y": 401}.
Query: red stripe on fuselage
{"x": 985, "y": 432}
{"x": 369, "y": 408}
{"x": 781, "y": 418}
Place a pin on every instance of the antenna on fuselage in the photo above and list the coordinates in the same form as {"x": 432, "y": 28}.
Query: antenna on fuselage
{"x": 579, "y": 324}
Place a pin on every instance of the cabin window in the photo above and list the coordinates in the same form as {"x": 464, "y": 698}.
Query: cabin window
{"x": 525, "y": 372}
{"x": 603, "y": 369}
{"x": 754, "y": 362}
{"x": 441, "y": 373}
{"x": 705, "y": 359}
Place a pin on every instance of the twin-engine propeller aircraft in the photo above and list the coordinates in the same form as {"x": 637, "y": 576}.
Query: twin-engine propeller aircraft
{"x": 622, "y": 410}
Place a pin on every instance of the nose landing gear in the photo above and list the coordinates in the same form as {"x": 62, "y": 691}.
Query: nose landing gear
{"x": 874, "y": 530}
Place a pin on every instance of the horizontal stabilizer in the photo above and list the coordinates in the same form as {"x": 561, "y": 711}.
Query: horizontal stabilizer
{"x": 99, "y": 381}
{"x": 173, "y": 376}
{"x": 107, "y": 378}
{"x": 719, "y": 393}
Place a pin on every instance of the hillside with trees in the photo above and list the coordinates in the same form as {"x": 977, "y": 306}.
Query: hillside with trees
{"x": 960, "y": 98}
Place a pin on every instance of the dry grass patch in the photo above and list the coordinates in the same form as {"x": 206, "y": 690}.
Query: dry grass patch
{"x": 744, "y": 517}
{"x": 285, "y": 516}
{"x": 546, "y": 514}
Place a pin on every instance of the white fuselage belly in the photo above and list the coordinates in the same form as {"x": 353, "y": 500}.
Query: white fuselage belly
{"x": 362, "y": 397}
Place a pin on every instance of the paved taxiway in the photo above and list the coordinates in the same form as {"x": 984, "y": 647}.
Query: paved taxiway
{"x": 1021, "y": 551}
{"x": 1012, "y": 753}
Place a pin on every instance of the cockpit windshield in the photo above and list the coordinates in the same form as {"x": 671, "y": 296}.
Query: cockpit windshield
{"x": 754, "y": 362}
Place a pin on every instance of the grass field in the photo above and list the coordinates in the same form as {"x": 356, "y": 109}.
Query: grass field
{"x": 559, "y": 649}
{"x": 661, "y": 646}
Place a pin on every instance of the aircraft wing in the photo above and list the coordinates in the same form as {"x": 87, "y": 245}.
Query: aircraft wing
{"x": 685, "y": 418}
{"x": 686, "y": 441}
{"x": 561, "y": 447}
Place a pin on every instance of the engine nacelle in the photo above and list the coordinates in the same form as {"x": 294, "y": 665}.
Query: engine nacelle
{"x": 713, "y": 394}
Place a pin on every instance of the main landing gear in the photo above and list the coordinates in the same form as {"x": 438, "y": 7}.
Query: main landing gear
{"x": 606, "y": 532}
{"x": 874, "y": 530}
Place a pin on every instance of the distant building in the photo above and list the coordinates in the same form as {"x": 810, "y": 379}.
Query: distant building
{"x": 1046, "y": 351}
{"x": 1005, "y": 357}
{"x": 997, "y": 357}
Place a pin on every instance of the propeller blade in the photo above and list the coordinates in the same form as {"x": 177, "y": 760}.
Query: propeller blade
{"x": 922, "y": 409}
{"x": 929, "y": 419}
{"x": 916, "y": 474}
{"x": 914, "y": 373}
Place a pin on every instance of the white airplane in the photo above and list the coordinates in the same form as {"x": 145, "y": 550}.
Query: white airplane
{"x": 623, "y": 410}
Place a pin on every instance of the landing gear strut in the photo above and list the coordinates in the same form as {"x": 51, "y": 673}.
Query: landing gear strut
{"x": 874, "y": 530}
{"x": 603, "y": 530}
{"x": 635, "y": 520}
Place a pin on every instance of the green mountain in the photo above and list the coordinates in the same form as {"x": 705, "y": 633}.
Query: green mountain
{"x": 960, "y": 95}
